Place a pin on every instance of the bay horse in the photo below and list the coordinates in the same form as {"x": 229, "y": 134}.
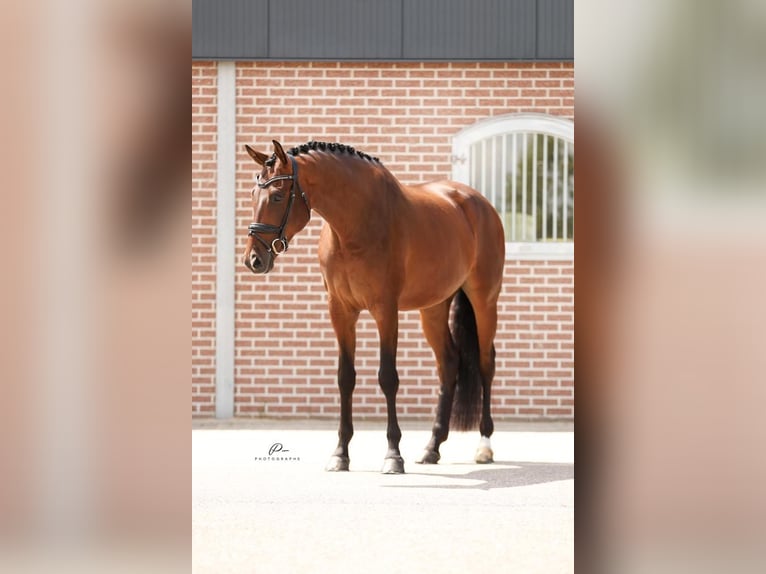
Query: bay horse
{"x": 387, "y": 247}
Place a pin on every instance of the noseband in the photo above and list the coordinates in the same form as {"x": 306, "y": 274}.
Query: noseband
{"x": 255, "y": 228}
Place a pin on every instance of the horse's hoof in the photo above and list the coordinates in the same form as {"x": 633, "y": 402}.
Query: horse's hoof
{"x": 429, "y": 457}
{"x": 394, "y": 465}
{"x": 484, "y": 455}
{"x": 337, "y": 463}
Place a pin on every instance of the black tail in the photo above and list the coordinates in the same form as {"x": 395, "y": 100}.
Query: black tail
{"x": 466, "y": 408}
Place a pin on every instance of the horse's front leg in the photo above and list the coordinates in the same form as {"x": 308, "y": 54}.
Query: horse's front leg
{"x": 344, "y": 323}
{"x": 387, "y": 319}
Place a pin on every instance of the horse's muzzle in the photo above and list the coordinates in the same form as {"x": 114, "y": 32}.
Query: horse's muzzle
{"x": 260, "y": 265}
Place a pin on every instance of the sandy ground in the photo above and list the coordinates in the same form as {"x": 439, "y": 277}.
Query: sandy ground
{"x": 255, "y": 513}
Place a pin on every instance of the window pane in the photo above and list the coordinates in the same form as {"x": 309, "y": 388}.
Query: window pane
{"x": 529, "y": 178}
{"x": 557, "y": 204}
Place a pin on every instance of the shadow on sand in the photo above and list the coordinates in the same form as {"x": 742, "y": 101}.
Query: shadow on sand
{"x": 501, "y": 474}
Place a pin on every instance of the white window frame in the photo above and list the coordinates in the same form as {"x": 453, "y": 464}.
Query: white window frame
{"x": 508, "y": 124}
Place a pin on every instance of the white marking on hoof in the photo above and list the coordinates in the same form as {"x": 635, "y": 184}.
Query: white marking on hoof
{"x": 484, "y": 452}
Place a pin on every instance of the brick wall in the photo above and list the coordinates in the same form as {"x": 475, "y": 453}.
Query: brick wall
{"x": 203, "y": 237}
{"x": 406, "y": 114}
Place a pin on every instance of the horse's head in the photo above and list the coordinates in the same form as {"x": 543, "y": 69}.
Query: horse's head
{"x": 275, "y": 217}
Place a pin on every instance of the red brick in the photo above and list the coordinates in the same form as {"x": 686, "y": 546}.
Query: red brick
{"x": 405, "y": 113}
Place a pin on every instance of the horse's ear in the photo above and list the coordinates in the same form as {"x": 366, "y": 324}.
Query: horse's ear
{"x": 260, "y": 158}
{"x": 280, "y": 152}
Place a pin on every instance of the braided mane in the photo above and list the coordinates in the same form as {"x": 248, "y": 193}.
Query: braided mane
{"x": 335, "y": 148}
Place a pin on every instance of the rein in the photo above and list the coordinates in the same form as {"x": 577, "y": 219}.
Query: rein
{"x": 255, "y": 228}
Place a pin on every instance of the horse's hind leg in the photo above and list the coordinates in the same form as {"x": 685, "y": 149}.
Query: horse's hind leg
{"x": 483, "y": 290}
{"x": 486, "y": 326}
{"x": 435, "y": 321}
{"x": 344, "y": 324}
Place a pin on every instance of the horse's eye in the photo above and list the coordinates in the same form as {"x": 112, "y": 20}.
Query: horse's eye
{"x": 276, "y": 198}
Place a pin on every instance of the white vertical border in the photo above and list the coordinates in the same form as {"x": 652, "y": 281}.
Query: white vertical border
{"x": 225, "y": 239}
{"x": 64, "y": 507}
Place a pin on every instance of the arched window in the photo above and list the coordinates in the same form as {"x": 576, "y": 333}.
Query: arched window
{"x": 524, "y": 164}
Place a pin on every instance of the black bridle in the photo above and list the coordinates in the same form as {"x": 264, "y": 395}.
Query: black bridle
{"x": 255, "y": 228}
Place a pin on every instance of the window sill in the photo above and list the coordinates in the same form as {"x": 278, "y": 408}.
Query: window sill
{"x": 518, "y": 250}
